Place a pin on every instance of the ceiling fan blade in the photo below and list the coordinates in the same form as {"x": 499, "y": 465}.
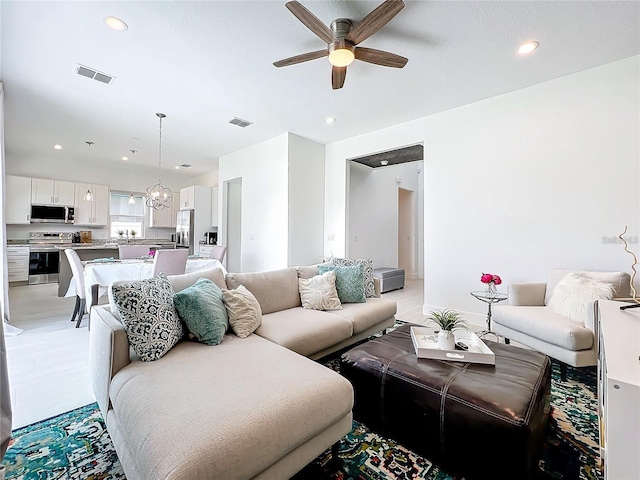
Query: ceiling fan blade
{"x": 380, "y": 57}
{"x": 304, "y": 57}
{"x": 373, "y": 22}
{"x": 311, "y": 21}
{"x": 338, "y": 74}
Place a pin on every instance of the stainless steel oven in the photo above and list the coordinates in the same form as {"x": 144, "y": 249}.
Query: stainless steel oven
{"x": 44, "y": 264}
{"x": 44, "y": 255}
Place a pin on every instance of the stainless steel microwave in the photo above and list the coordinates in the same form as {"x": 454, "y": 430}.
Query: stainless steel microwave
{"x": 51, "y": 214}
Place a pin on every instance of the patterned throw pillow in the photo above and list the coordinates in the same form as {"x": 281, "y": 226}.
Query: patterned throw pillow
{"x": 202, "y": 309}
{"x": 148, "y": 315}
{"x": 245, "y": 315}
{"x": 349, "y": 282}
{"x": 319, "y": 292}
{"x": 367, "y": 270}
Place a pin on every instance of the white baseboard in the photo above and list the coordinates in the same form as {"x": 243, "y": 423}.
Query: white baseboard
{"x": 411, "y": 276}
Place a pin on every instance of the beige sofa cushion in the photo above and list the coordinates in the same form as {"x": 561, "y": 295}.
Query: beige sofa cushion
{"x": 544, "y": 324}
{"x": 365, "y": 315}
{"x": 275, "y": 290}
{"x": 620, "y": 281}
{"x": 305, "y": 331}
{"x": 243, "y": 311}
{"x": 180, "y": 282}
{"x": 211, "y": 412}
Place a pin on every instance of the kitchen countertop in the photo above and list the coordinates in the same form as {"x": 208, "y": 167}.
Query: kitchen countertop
{"x": 94, "y": 245}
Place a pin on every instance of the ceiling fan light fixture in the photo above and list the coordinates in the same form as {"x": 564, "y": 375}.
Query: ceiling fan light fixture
{"x": 341, "y": 57}
{"x": 528, "y": 47}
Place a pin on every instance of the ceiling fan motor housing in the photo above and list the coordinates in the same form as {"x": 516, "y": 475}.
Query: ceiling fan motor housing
{"x": 341, "y": 27}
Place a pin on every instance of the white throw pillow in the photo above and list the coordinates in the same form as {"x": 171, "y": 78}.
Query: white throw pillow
{"x": 572, "y": 294}
{"x": 319, "y": 292}
{"x": 244, "y": 312}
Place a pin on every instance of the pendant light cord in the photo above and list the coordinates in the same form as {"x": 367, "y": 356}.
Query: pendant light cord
{"x": 161, "y": 116}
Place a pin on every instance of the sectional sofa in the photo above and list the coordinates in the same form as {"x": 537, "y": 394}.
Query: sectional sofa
{"x": 255, "y": 407}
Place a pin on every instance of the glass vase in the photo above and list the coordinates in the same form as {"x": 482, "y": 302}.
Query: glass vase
{"x": 491, "y": 290}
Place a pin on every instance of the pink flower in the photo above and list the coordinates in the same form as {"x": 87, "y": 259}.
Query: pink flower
{"x": 497, "y": 280}
{"x": 486, "y": 278}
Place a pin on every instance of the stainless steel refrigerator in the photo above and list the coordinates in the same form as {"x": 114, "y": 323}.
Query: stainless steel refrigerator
{"x": 185, "y": 236}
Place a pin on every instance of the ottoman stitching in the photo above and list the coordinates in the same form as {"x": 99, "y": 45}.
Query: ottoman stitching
{"x": 542, "y": 372}
{"x": 443, "y": 397}
{"x": 456, "y": 398}
{"x": 383, "y": 382}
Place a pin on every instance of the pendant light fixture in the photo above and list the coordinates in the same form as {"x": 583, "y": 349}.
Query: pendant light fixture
{"x": 132, "y": 198}
{"x": 89, "y": 196}
{"x": 159, "y": 196}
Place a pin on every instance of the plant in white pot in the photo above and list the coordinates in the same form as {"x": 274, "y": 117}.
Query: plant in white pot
{"x": 448, "y": 321}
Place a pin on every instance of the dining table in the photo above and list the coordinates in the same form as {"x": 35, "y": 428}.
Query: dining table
{"x": 100, "y": 273}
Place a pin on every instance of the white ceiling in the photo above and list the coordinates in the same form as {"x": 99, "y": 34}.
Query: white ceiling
{"x": 203, "y": 63}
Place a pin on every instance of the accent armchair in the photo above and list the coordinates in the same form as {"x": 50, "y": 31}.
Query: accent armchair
{"x": 529, "y": 320}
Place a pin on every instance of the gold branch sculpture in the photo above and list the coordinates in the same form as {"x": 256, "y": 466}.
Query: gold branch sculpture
{"x": 633, "y": 265}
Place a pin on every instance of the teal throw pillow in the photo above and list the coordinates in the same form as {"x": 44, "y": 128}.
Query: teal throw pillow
{"x": 349, "y": 282}
{"x": 201, "y": 308}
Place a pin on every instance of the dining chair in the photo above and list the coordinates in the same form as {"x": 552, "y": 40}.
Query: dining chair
{"x": 132, "y": 251}
{"x": 78, "y": 278}
{"x": 170, "y": 262}
{"x": 218, "y": 252}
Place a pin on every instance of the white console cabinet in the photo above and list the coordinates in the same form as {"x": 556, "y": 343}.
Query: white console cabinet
{"x": 618, "y": 334}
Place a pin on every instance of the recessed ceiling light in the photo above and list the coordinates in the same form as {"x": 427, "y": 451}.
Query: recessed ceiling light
{"x": 329, "y": 120}
{"x": 57, "y": 147}
{"x": 384, "y": 163}
{"x": 116, "y": 24}
{"x": 125, "y": 158}
{"x": 527, "y": 47}
{"x": 177, "y": 167}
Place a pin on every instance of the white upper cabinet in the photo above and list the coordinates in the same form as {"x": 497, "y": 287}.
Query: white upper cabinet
{"x": 187, "y": 198}
{"x": 18, "y": 196}
{"x": 94, "y": 211}
{"x": 52, "y": 192}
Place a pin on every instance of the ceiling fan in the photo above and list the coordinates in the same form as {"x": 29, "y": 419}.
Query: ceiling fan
{"x": 343, "y": 36}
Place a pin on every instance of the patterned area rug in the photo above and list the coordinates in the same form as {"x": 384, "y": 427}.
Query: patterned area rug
{"x": 76, "y": 445}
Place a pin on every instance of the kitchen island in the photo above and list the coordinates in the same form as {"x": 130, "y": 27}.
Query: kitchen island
{"x": 91, "y": 251}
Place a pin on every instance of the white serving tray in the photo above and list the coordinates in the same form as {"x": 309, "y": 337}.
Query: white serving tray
{"x": 425, "y": 342}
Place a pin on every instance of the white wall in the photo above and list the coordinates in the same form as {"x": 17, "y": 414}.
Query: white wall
{"x": 264, "y": 172}
{"x": 517, "y": 184}
{"x": 373, "y": 210}
{"x": 306, "y": 201}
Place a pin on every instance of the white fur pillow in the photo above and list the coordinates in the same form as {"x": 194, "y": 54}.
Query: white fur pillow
{"x": 572, "y": 294}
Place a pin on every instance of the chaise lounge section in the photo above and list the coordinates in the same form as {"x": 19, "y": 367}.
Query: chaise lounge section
{"x": 252, "y": 407}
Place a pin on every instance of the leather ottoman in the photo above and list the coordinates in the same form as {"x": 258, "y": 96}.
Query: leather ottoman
{"x": 481, "y": 421}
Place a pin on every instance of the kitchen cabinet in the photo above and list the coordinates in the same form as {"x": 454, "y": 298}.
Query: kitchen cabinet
{"x": 52, "y": 192}
{"x": 18, "y": 200}
{"x": 18, "y": 263}
{"x": 195, "y": 197}
{"x": 214, "y": 207}
{"x": 187, "y": 198}
{"x": 165, "y": 217}
{"x": 94, "y": 212}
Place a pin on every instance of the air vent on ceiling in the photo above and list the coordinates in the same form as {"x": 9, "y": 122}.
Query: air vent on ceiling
{"x": 185, "y": 165}
{"x": 96, "y": 75}
{"x": 240, "y": 122}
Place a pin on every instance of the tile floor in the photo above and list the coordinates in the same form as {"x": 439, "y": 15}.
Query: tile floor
{"x": 48, "y": 362}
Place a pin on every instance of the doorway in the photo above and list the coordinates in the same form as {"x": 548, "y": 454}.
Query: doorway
{"x": 407, "y": 258}
{"x": 233, "y": 223}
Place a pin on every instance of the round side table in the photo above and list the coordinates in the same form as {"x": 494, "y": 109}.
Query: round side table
{"x": 490, "y": 299}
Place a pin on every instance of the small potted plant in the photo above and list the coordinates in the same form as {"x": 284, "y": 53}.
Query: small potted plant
{"x": 448, "y": 321}
{"x": 133, "y": 233}
{"x": 120, "y": 233}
